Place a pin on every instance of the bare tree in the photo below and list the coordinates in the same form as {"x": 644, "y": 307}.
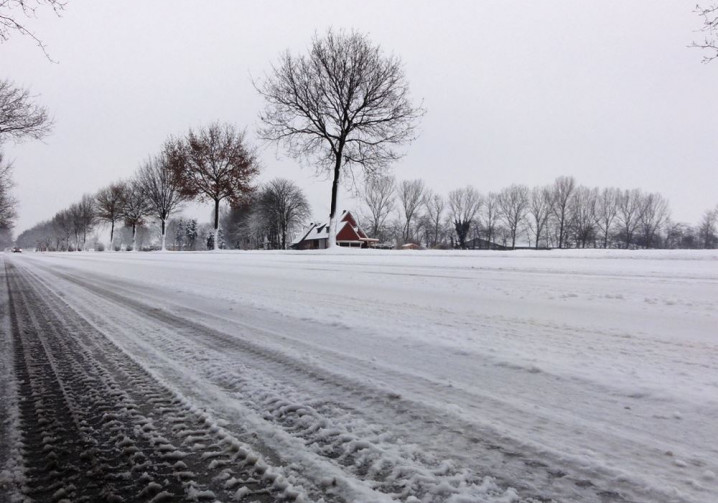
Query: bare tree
{"x": 378, "y": 196}
{"x": 88, "y": 216}
{"x": 162, "y": 189}
{"x": 707, "y": 233}
{"x": 709, "y": 13}
{"x": 563, "y": 188}
{"x": 654, "y": 214}
{"x": 539, "y": 210}
{"x": 434, "y": 205}
{"x": 135, "y": 209}
{"x": 108, "y": 203}
{"x": 629, "y": 214}
{"x": 283, "y": 208}
{"x": 411, "y": 195}
{"x": 583, "y": 215}
{"x": 82, "y": 219}
{"x": 490, "y": 217}
{"x": 12, "y": 22}
{"x": 513, "y": 203}
{"x": 680, "y": 235}
{"x": 464, "y": 204}
{"x": 8, "y": 204}
{"x": 235, "y": 222}
{"x": 62, "y": 225}
{"x": 606, "y": 211}
{"x": 20, "y": 117}
{"x": 345, "y": 104}
{"x": 73, "y": 212}
{"x": 214, "y": 164}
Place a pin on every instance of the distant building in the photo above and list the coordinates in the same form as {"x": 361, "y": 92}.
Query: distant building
{"x": 482, "y": 244}
{"x": 349, "y": 234}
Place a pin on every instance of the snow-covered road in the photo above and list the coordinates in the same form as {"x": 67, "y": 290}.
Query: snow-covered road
{"x": 381, "y": 376}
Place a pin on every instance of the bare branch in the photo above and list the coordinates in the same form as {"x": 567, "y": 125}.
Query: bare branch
{"x": 12, "y": 11}
{"x": 710, "y": 29}
{"x": 20, "y": 117}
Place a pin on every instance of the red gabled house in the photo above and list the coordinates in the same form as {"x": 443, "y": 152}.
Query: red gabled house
{"x": 349, "y": 234}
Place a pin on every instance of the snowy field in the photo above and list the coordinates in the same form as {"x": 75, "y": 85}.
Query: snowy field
{"x": 422, "y": 376}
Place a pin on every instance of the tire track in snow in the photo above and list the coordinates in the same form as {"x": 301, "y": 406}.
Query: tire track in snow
{"x": 96, "y": 427}
{"x": 363, "y": 452}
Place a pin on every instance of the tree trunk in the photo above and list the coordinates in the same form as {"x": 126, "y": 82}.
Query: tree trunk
{"x": 164, "y": 248}
{"x": 112, "y": 235}
{"x": 332, "y": 241}
{"x": 134, "y": 238}
{"x": 216, "y": 225}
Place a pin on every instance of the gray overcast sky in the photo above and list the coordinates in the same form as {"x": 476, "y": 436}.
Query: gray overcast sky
{"x": 515, "y": 92}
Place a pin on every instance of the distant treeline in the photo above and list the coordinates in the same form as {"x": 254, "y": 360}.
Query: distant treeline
{"x": 561, "y": 215}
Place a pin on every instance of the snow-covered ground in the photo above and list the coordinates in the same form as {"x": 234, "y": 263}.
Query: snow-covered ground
{"x": 431, "y": 376}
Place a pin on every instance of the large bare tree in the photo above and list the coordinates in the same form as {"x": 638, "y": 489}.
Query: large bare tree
{"x": 213, "y": 164}
{"x": 109, "y": 203}
{"x": 162, "y": 189}
{"x": 344, "y": 104}
{"x": 20, "y": 116}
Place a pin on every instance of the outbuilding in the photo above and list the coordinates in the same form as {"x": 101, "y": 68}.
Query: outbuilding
{"x": 349, "y": 234}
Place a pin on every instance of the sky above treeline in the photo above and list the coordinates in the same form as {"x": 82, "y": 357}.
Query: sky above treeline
{"x": 515, "y": 92}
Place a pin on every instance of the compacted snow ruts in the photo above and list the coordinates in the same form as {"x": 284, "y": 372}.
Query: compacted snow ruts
{"x": 432, "y": 377}
{"x": 96, "y": 427}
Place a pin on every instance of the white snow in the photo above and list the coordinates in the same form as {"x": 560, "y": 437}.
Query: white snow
{"x": 383, "y": 374}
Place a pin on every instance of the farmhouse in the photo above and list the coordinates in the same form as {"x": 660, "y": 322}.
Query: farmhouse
{"x": 348, "y": 234}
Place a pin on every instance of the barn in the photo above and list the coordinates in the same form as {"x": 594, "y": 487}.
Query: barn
{"x": 349, "y": 234}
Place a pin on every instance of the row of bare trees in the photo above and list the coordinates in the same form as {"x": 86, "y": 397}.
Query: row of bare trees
{"x": 268, "y": 219}
{"x": 213, "y": 164}
{"x": 210, "y": 164}
{"x": 561, "y": 215}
